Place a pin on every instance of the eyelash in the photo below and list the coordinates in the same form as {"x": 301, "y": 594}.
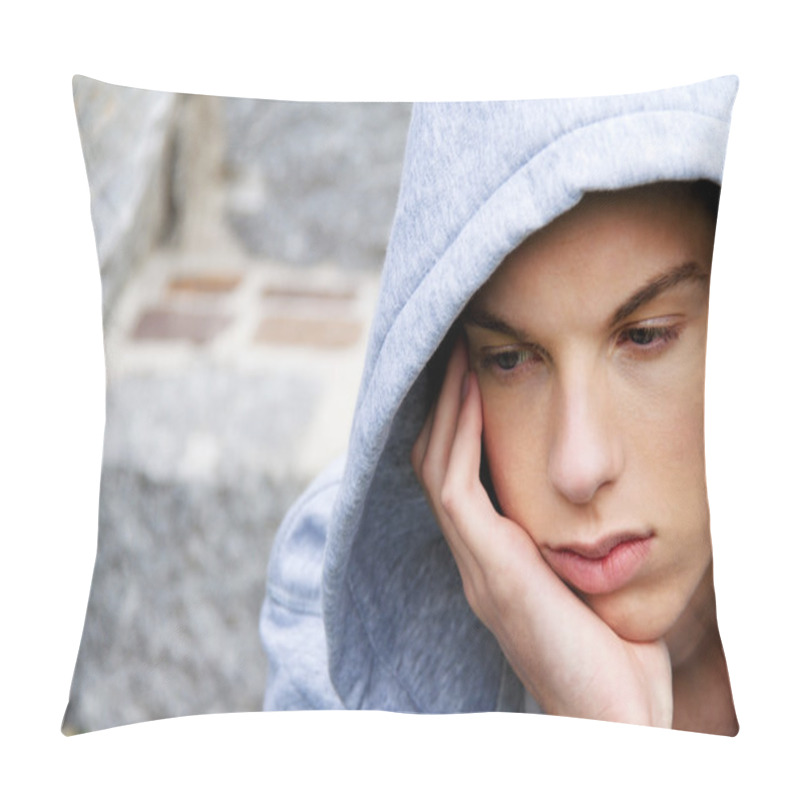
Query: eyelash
{"x": 660, "y": 337}
{"x": 494, "y": 360}
{"x": 657, "y": 337}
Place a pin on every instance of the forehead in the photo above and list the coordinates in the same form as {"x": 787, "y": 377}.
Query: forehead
{"x": 605, "y": 247}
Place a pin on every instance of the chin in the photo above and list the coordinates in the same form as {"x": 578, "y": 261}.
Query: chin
{"x": 634, "y": 620}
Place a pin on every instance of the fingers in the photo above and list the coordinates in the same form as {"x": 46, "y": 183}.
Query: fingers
{"x": 446, "y": 459}
{"x": 463, "y": 474}
{"x": 421, "y": 445}
{"x": 431, "y": 456}
{"x": 431, "y": 452}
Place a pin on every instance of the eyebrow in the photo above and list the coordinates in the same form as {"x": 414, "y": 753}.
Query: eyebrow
{"x": 688, "y": 271}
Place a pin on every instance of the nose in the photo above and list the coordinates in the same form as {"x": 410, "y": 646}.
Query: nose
{"x": 586, "y": 449}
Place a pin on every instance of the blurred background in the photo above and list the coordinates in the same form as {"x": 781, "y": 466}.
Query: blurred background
{"x": 240, "y": 244}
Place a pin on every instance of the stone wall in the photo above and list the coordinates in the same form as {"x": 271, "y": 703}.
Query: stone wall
{"x": 240, "y": 244}
{"x": 126, "y": 136}
{"x": 297, "y": 183}
{"x": 314, "y": 182}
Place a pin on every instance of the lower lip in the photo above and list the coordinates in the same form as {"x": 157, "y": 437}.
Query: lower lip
{"x": 601, "y": 575}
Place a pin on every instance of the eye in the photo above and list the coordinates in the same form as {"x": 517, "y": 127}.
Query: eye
{"x": 644, "y": 336}
{"x": 508, "y": 361}
{"x": 649, "y": 338}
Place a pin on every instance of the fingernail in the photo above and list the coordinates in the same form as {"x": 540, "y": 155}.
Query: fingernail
{"x": 465, "y": 385}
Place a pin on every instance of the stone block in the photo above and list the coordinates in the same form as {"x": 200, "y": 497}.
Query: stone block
{"x": 311, "y": 182}
{"x": 168, "y": 324}
{"x": 198, "y": 471}
{"x": 126, "y": 140}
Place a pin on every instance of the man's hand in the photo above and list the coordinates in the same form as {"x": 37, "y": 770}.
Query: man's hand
{"x": 564, "y": 654}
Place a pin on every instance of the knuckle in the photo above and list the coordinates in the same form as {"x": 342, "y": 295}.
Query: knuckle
{"x": 428, "y": 472}
{"x": 449, "y": 497}
{"x": 471, "y": 595}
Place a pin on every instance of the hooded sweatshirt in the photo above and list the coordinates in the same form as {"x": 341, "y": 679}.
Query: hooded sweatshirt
{"x": 364, "y": 606}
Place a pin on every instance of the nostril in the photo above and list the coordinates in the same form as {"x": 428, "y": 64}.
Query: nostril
{"x": 579, "y": 484}
{"x": 584, "y": 456}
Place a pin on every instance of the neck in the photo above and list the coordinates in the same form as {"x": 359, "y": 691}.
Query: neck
{"x": 702, "y": 699}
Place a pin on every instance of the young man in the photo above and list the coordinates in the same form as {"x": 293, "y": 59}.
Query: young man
{"x": 554, "y": 553}
{"x": 583, "y": 368}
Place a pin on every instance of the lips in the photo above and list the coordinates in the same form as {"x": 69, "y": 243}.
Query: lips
{"x": 603, "y": 566}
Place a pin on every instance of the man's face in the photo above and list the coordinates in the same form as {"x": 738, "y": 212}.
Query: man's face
{"x": 589, "y": 347}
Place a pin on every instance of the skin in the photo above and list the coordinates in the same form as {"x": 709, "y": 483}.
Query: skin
{"x": 580, "y": 378}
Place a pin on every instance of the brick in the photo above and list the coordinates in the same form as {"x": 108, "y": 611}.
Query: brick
{"x": 205, "y": 283}
{"x": 318, "y": 293}
{"x": 166, "y": 325}
{"x": 308, "y": 332}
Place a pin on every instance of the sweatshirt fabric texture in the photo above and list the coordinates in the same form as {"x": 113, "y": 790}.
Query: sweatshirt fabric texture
{"x": 364, "y": 605}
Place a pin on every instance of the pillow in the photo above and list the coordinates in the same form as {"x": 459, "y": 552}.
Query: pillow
{"x": 239, "y": 243}
{"x": 545, "y": 282}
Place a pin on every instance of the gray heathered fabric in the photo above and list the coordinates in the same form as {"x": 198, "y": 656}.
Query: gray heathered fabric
{"x": 364, "y": 606}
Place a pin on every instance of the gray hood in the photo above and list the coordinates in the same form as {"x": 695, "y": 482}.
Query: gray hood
{"x": 478, "y": 179}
